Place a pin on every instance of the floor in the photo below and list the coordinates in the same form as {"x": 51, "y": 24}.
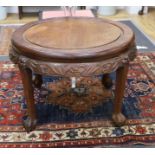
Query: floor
{"x": 145, "y": 22}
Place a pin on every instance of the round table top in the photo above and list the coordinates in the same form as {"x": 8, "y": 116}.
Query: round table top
{"x": 72, "y": 39}
{"x": 72, "y": 34}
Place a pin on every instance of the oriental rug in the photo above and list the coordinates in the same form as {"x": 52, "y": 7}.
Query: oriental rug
{"x": 60, "y": 126}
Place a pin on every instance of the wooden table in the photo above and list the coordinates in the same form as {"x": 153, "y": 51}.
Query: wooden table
{"x": 73, "y": 47}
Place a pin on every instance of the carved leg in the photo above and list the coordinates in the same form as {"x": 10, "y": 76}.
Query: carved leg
{"x": 37, "y": 81}
{"x": 121, "y": 76}
{"x": 107, "y": 82}
{"x": 31, "y": 120}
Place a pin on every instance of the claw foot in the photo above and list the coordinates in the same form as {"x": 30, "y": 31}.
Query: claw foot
{"x": 118, "y": 119}
{"x": 29, "y": 124}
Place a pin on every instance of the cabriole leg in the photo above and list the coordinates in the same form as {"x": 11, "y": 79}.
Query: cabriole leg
{"x": 31, "y": 120}
{"x": 121, "y": 76}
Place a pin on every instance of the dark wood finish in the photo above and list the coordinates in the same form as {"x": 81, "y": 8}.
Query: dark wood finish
{"x": 121, "y": 76}
{"x": 26, "y": 75}
{"x": 74, "y": 69}
{"x": 82, "y": 7}
{"x": 20, "y": 12}
{"x": 37, "y": 80}
{"x": 25, "y": 39}
{"x": 141, "y": 12}
{"x": 107, "y": 82}
{"x": 73, "y": 47}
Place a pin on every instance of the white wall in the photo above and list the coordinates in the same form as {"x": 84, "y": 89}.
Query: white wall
{"x": 95, "y": 7}
{"x": 133, "y": 9}
{"x": 14, "y": 9}
{"x": 129, "y": 9}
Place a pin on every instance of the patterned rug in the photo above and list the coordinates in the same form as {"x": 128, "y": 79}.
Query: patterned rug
{"x": 60, "y": 125}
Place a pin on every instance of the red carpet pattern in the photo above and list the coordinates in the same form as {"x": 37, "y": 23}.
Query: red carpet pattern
{"x": 138, "y": 130}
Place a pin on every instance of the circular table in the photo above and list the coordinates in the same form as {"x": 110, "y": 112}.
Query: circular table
{"x": 73, "y": 47}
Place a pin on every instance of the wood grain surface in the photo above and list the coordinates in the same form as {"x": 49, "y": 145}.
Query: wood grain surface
{"x": 73, "y": 47}
{"x": 94, "y": 39}
{"x": 70, "y": 33}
